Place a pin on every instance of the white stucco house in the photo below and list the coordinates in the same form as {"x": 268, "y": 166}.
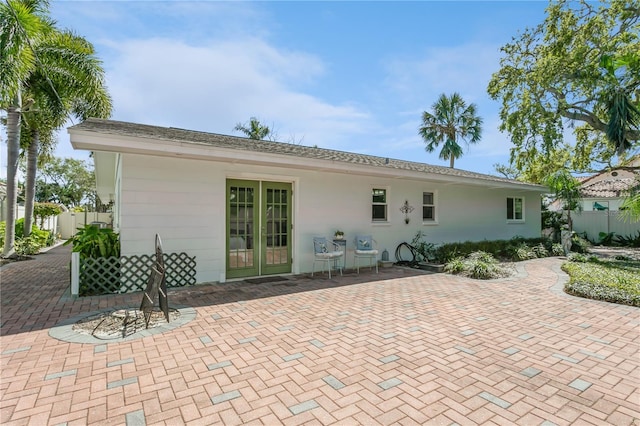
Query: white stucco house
{"x": 249, "y": 208}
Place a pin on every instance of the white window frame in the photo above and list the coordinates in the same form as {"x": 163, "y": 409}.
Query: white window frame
{"x": 514, "y": 219}
{"x": 385, "y": 204}
{"x": 433, "y": 221}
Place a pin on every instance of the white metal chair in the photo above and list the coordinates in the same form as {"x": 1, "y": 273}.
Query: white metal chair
{"x": 365, "y": 250}
{"x": 328, "y": 252}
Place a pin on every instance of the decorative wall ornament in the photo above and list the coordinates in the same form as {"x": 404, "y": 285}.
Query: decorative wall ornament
{"x": 406, "y": 209}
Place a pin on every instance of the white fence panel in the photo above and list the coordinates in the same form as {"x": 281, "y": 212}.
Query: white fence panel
{"x": 594, "y": 222}
{"x": 69, "y": 222}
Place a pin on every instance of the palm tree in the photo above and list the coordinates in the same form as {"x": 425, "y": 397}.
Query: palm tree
{"x": 71, "y": 84}
{"x": 22, "y": 23}
{"x": 451, "y": 119}
{"x": 255, "y": 129}
{"x": 46, "y": 75}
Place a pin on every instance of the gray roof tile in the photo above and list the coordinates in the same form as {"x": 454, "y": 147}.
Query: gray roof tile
{"x": 244, "y": 144}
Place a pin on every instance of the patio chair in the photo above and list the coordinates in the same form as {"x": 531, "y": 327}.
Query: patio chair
{"x": 365, "y": 250}
{"x": 326, "y": 252}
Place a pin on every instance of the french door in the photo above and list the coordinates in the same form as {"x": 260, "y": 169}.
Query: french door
{"x": 258, "y": 228}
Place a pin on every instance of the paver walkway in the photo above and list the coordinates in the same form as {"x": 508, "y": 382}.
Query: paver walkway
{"x": 401, "y": 347}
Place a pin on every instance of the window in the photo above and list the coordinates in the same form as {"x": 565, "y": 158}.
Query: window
{"x": 515, "y": 208}
{"x": 428, "y": 207}
{"x": 379, "y": 205}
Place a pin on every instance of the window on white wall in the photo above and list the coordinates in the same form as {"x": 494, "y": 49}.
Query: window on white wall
{"x": 379, "y": 205}
{"x": 428, "y": 207}
{"x": 515, "y": 208}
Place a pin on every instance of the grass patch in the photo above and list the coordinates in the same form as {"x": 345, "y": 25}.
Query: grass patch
{"x": 615, "y": 280}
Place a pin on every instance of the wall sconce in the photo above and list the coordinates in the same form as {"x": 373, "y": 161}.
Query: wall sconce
{"x": 406, "y": 209}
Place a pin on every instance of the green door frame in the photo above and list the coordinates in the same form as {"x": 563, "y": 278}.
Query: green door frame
{"x": 258, "y": 228}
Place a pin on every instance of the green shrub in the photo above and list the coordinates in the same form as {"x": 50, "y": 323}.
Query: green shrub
{"x": 95, "y": 242}
{"x": 557, "y": 249}
{"x": 501, "y": 249}
{"x": 577, "y": 257}
{"x": 27, "y": 245}
{"x": 580, "y": 244}
{"x": 522, "y": 252}
{"x": 425, "y": 250}
{"x": 629, "y": 240}
{"x": 479, "y": 265}
{"x": 540, "y": 251}
{"x": 455, "y": 265}
{"x": 606, "y": 239}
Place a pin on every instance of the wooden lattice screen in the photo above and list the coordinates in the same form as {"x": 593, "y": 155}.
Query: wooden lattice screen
{"x": 130, "y": 273}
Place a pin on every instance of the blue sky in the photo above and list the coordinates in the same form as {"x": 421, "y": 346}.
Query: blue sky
{"x": 353, "y": 76}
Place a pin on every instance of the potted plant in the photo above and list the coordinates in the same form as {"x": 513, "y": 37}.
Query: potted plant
{"x": 339, "y": 234}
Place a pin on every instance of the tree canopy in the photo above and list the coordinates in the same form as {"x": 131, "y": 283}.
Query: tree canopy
{"x": 578, "y": 74}
{"x": 66, "y": 181}
{"x": 451, "y": 119}
{"x": 254, "y": 129}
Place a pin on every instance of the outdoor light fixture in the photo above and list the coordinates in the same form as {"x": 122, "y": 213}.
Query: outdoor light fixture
{"x": 406, "y": 209}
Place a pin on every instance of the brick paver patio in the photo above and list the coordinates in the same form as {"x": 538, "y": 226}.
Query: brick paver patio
{"x": 400, "y": 347}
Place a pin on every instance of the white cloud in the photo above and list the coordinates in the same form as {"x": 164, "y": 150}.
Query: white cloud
{"x": 213, "y": 87}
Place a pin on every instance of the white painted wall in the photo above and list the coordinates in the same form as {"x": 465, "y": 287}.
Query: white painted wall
{"x": 183, "y": 200}
{"x": 594, "y": 222}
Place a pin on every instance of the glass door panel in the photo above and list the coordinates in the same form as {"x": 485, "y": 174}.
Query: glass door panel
{"x": 241, "y": 228}
{"x": 276, "y": 228}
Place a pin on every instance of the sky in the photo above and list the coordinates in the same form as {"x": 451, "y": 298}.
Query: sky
{"x": 352, "y": 76}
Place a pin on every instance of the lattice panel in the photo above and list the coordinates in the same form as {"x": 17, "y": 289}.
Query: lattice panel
{"x": 99, "y": 276}
{"x": 131, "y": 273}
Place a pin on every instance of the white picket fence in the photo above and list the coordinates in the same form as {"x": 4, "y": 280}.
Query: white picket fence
{"x": 594, "y": 222}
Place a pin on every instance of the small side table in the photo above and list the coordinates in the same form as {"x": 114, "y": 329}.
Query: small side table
{"x": 343, "y": 244}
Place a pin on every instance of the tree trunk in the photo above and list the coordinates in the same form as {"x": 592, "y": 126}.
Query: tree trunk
{"x": 30, "y": 181}
{"x": 451, "y": 160}
{"x": 13, "y": 150}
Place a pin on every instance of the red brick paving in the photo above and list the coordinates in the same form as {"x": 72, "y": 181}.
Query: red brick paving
{"x": 402, "y": 347}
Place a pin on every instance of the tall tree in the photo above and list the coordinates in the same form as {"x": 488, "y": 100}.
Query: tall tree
{"x": 451, "y": 120}
{"x": 66, "y": 181}
{"x": 23, "y": 23}
{"x": 556, "y": 78}
{"x": 254, "y": 129}
{"x": 69, "y": 82}
{"x": 566, "y": 189}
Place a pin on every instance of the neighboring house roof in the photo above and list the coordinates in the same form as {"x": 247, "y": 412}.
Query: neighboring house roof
{"x": 176, "y": 141}
{"x": 610, "y": 184}
{"x": 607, "y": 188}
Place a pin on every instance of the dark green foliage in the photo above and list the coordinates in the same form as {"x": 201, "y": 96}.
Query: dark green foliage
{"x": 553, "y": 220}
{"x": 103, "y": 245}
{"x": 427, "y": 251}
{"x": 629, "y": 240}
{"x": 94, "y": 242}
{"x": 606, "y": 239}
{"x": 580, "y": 244}
{"x": 44, "y": 210}
{"x": 38, "y": 239}
{"x": 500, "y": 249}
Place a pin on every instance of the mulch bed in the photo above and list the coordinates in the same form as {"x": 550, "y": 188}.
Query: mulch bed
{"x": 121, "y": 323}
